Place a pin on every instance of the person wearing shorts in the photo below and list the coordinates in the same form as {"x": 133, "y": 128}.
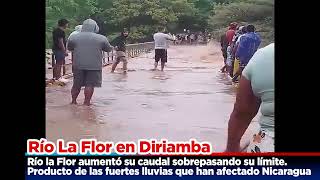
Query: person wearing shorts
{"x": 59, "y": 47}
{"x": 161, "y": 46}
{"x": 87, "y": 47}
{"x": 120, "y": 45}
{"x": 161, "y": 55}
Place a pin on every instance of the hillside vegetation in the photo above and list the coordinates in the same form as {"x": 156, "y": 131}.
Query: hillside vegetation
{"x": 142, "y": 17}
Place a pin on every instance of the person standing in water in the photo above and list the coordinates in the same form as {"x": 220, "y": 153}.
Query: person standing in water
{"x": 59, "y": 47}
{"x": 161, "y": 46}
{"x": 120, "y": 46}
{"x": 256, "y": 91}
{"x": 87, "y": 47}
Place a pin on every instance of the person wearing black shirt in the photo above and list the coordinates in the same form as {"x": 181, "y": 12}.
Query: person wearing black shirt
{"x": 120, "y": 45}
{"x": 59, "y": 47}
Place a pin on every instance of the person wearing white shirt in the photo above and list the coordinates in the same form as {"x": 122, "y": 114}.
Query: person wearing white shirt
{"x": 161, "y": 46}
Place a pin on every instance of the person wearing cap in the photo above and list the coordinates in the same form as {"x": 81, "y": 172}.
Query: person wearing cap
{"x": 77, "y": 29}
{"x": 87, "y": 47}
{"x": 226, "y": 40}
{"x": 120, "y": 46}
{"x": 231, "y": 32}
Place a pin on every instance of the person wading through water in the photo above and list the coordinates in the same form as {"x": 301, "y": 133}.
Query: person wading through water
{"x": 120, "y": 46}
{"x": 248, "y": 45}
{"x": 161, "y": 46}
{"x": 226, "y": 40}
{"x": 87, "y": 47}
{"x": 77, "y": 29}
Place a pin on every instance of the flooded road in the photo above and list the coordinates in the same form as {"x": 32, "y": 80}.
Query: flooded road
{"x": 190, "y": 99}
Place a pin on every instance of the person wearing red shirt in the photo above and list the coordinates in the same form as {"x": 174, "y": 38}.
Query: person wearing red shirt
{"x": 231, "y": 32}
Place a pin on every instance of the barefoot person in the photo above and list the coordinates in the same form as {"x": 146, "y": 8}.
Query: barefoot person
{"x": 59, "y": 47}
{"x": 120, "y": 46}
{"x": 161, "y": 46}
{"x": 256, "y": 91}
{"x": 87, "y": 47}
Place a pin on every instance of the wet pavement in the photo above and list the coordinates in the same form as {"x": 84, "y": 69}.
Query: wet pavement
{"x": 190, "y": 99}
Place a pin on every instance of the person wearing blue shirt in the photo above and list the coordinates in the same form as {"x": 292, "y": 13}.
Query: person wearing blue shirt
{"x": 248, "y": 45}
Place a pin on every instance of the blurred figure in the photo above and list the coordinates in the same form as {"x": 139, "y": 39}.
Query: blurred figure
{"x": 234, "y": 46}
{"x": 256, "y": 91}
{"x": 120, "y": 46}
{"x": 186, "y": 38}
{"x": 77, "y": 29}
{"x": 174, "y": 39}
{"x": 231, "y": 32}
{"x": 59, "y": 47}
{"x": 224, "y": 45}
{"x": 192, "y": 38}
{"x": 229, "y": 61}
{"x": 87, "y": 47}
{"x": 161, "y": 46}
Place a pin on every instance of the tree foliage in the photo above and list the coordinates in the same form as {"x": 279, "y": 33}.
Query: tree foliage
{"x": 142, "y": 17}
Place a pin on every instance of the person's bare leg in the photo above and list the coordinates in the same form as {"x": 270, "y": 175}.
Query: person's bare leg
{"x": 155, "y": 65}
{"x": 63, "y": 68}
{"x": 125, "y": 63}
{"x": 88, "y": 92}
{"x": 162, "y": 65}
{"x": 223, "y": 69}
{"x": 74, "y": 94}
{"x": 53, "y": 64}
{"x": 114, "y": 65}
{"x": 54, "y": 72}
{"x": 58, "y": 67}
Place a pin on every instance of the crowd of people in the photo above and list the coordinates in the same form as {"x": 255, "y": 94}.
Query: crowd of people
{"x": 238, "y": 45}
{"x": 254, "y": 69}
{"x": 189, "y": 38}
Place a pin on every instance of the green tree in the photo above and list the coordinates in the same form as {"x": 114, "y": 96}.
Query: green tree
{"x": 73, "y": 10}
{"x": 142, "y": 17}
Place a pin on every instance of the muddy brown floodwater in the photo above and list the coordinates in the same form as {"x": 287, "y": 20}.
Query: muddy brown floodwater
{"x": 190, "y": 99}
